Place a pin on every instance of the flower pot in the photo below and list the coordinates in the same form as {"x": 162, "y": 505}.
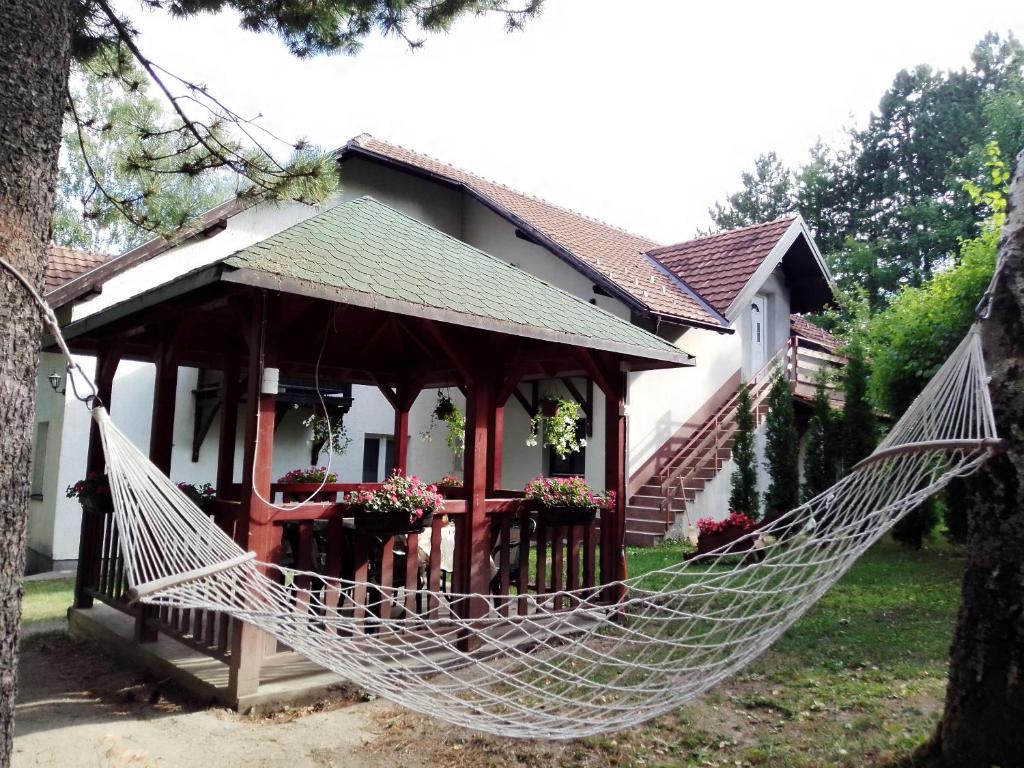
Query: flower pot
{"x": 731, "y": 542}
{"x": 548, "y": 409}
{"x": 389, "y": 523}
{"x": 98, "y": 505}
{"x": 552, "y": 516}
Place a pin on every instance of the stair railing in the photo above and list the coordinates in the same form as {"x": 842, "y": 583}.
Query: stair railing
{"x": 712, "y": 435}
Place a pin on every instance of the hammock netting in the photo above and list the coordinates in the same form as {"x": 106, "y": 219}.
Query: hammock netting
{"x": 594, "y": 667}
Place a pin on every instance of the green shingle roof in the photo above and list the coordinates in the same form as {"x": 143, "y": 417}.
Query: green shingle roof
{"x": 377, "y": 253}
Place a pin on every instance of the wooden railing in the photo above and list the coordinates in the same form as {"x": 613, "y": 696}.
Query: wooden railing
{"x": 392, "y": 577}
{"x": 704, "y": 451}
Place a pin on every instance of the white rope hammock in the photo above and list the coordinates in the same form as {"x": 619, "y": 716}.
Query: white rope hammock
{"x": 546, "y": 673}
{"x": 559, "y": 674}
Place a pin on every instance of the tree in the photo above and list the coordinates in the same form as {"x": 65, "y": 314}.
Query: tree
{"x": 743, "y": 483}
{"x": 984, "y": 708}
{"x": 766, "y": 195}
{"x": 910, "y": 340}
{"x": 821, "y": 462}
{"x": 782, "y": 450}
{"x": 38, "y": 41}
{"x": 859, "y": 430}
{"x": 101, "y": 148}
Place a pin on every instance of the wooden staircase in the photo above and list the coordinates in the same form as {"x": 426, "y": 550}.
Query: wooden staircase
{"x": 653, "y": 509}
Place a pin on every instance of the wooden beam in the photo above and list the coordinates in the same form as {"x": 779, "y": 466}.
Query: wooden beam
{"x": 254, "y": 530}
{"x": 229, "y": 396}
{"x": 91, "y": 536}
{"x": 613, "y": 521}
{"x": 472, "y": 532}
{"x": 438, "y": 337}
{"x": 604, "y": 376}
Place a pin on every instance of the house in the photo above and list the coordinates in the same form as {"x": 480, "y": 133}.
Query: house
{"x": 726, "y": 299}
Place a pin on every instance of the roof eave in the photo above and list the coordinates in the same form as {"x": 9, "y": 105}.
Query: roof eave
{"x": 298, "y": 286}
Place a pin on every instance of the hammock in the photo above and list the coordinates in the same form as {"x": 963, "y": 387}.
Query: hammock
{"x": 593, "y": 668}
{"x": 546, "y": 673}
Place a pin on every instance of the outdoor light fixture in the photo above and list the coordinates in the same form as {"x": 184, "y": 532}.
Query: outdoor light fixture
{"x": 55, "y": 381}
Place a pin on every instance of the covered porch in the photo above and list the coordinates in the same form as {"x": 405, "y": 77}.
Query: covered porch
{"x": 359, "y": 295}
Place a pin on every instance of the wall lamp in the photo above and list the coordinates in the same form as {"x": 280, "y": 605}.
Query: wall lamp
{"x": 55, "y": 381}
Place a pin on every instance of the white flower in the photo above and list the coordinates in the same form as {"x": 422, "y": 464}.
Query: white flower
{"x": 583, "y": 443}
{"x": 531, "y": 442}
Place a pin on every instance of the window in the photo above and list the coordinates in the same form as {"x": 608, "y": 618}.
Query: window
{"x": 378, "y": 457}
{"x": 574, "y": 463}
{"x": 39, "y": 459}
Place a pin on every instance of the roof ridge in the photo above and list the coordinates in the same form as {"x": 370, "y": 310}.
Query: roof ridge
{"x": 725, "y": 232}
{"x": 527, "y": 195}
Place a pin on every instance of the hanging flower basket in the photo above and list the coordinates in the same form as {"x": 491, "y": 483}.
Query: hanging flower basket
{"x": 401, "y": 505}
{"x": 549, "y": 408}
{"x": 566, "y": 500}
{"x": 93, "y": 493}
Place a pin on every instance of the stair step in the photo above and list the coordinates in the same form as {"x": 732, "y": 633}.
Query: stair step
{"x": 646, "y": 526}
{"x": 653, "y": 502}
{"x": 638, "y": 539}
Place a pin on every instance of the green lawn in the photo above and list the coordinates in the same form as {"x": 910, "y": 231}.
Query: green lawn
{"x": 859, "y": 681}
{"x": 46, "y": 601}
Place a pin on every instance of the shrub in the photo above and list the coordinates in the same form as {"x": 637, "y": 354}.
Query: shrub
{"x": 743, "y": 483}
{"x": 781, "y": 453}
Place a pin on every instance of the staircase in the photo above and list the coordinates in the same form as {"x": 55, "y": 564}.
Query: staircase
{"x": 653, "y": 509}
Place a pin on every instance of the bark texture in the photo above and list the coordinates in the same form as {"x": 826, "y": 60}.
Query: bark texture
{"x": 983, "y": 722}
{"x": 34, "y": 54}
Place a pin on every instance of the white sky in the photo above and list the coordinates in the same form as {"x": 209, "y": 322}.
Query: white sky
{"x": 638, "y": 112}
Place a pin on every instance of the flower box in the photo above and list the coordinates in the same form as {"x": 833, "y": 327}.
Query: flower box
{"x": 563, "y": 515}
{"x": 390, "y": 523}
{"x": 733, "y": 541}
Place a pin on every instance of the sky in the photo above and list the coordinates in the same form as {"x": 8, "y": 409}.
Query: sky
{"x": 641, "y": 113}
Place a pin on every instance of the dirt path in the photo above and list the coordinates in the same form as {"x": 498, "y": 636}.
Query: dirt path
{"x": 77, "y": 707}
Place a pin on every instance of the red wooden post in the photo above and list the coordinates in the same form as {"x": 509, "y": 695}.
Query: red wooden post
{"x": 472, "y": 537}
{"x": 161, "y": 446}
{"x": 254, "y": 530}
{"x": 228, "y": 425}
{"x": 613, "y": 521}
{"x": 91, "y": 537}
{"x": 495, "y": 446}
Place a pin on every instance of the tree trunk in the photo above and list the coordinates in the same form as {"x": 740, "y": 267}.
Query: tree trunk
{"x": 34, "y": 55}
{"x": 983, "y": 724}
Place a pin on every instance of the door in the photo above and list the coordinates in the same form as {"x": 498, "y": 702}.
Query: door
{"x": 758, "y": 332}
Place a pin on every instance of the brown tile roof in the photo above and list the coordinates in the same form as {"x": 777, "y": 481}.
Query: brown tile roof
{"x": 614, "y": 255}
{"x": 718, "y": 266}
{"x": 68, "y": 263}
{"x": 808, "y": 331}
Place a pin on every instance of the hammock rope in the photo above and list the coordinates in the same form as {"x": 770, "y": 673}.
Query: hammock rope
{"x": 540, "y": 672}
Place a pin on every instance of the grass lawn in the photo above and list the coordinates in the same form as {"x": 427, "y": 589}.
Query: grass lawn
{"x": 46, "y": 602}
{"x": 859, "y": 681}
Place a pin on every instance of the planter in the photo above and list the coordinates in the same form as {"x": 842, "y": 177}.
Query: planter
{"x": 551, "y": 516}
{"x": 548, "y": 409}
{"x": 729, "y": 542}
{"x": 389, "y": 523}
{"x": 98, "y": 505}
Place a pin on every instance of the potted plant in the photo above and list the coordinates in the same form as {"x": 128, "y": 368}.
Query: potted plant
{"x": 306, "y": 481}
{"x": 566, "y": 500}
{"x": 328, "y": 430}
{"x": 93, "y": 493}
{"x": 449, "y": 481}
{"x": 447, "y": 412}
{"x": 199, "y": 495}
{"x": 556, "y": 423}
{"x": 728, "y": 535}
{"x": 401, "y": 505}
